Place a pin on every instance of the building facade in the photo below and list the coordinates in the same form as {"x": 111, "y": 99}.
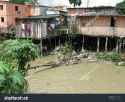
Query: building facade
{"x": 9, "y": 12}
{"x": 102, "y": 26}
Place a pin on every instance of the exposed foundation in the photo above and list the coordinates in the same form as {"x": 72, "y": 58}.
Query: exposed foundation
{"x": 90, "y": 43}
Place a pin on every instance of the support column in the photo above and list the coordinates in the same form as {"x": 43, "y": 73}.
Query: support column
{"x": 41, "y": 47}
{"x": 44, "y": 29}
{"x": 120, "y": 45}
{"x": 117, "y": 45}
{"x": 83, "y": 41}
{"x": 55, "y": 41}
{"x": 98, "y": 44}
{"x": 59, "y": 41}
{"x": 106, "y": 44}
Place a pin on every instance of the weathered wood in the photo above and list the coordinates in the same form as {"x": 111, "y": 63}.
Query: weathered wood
{"x": 55, "y": 42}
{"x": 83, "y": 41}
{"x": 98, "y": 44}
{"x": 120, "y": 46}
{"x": 117, "y": 45}
{"x": 106, "y": 44}
{"x": 41, "y": 46}
{"x": 59, "y": 41}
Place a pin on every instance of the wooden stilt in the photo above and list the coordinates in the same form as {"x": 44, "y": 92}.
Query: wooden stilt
{"x": 117, "y": 45}
{"x": 59, "y": 41}
{"x": 83, "y": 41}
{"x": 98, "y": 44}
{"x": 55, "y": 42}
{"x": 49, "y": 43}
{"x": 106, "y": 44}
{"x": 41, "y": 47}
{"x": 120, "y": 46}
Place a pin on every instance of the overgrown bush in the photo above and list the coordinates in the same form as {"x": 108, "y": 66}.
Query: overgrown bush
{"x": 64, "y": 52}
{"x": 18, "y": 53}
{"x": 11, "y": 80}
{"x": 112, "y": 56}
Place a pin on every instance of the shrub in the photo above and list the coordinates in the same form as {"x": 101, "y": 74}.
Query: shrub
{"x": 11, "y": 81}
{"x": 18, "y": 53}
{"x": 112, "y": 56}
{"x": 64, "y": 52}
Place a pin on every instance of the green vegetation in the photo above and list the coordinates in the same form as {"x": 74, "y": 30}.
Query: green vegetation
{"x": 11, "y": 81}
{"x": 65, "y": 52}
{"x": 24, "y": 1}
{"x": 18, "y": 53}
{"x": 111, "y": 56}
{"x": 75, "y": 2}
{"x": 121, "y": 7}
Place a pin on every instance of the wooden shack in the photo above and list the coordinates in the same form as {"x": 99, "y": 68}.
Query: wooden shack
{"x": 103, "y": 29}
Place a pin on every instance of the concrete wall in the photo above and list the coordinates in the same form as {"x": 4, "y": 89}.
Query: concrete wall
{"x": 3, "y": 14}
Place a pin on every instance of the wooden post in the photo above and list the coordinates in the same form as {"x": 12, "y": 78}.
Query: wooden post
{"x": 83, "y": 41}
{"x": 98, "y": 44}
{"x": 41, "y": 47}
{"x": 54, "y": 42}
{"x": 106, "y": 44}
{"x": 120, "y": 45}
{"x": 117, "y": 45}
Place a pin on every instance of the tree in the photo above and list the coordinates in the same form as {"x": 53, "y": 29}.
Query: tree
{"x": 75, "y": 2}
{"x": 18, "y": 53}
{"x": 24, "y": 1}
{"x": 11, "y": 81}
{"x": 20, "y": 1}
{"x": 121, "y": 7}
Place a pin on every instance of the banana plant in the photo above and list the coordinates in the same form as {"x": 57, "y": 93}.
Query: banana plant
{"x": 18, "y": 53}
{"x": 11, "y": 81}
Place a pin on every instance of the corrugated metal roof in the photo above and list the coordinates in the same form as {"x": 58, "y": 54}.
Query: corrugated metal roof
{"x": 96, "y": 7}
{"x": 38, "y": 17}
{"x": 102, "y": 15}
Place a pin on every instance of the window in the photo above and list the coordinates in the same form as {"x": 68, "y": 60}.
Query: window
{"x": 16, "y": 8}
{"x": 2, "y": 19}
{"x": 1, "y": 7}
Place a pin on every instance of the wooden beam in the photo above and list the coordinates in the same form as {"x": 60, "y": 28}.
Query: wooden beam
{"x": 106, "y": 44}
{"x": 98, "y": 44}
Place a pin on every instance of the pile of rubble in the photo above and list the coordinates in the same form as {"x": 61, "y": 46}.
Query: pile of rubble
{"x": 75, "y": 58}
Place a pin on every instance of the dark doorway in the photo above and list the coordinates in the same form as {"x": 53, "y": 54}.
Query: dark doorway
{"x": 112, "y": 24}
{"x": 102, "y": 44}
{"x": 90, "y": 43}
